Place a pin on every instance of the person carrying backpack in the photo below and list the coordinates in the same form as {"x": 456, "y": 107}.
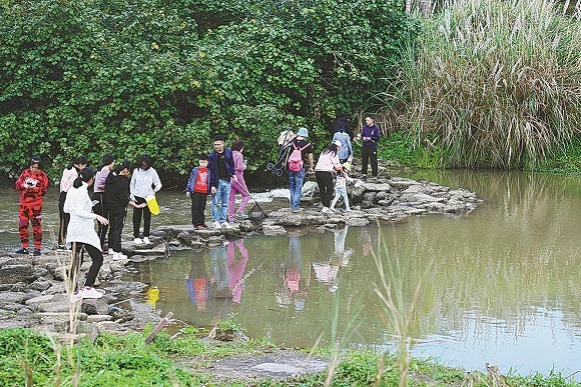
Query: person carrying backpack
{"x": 301, "y": 148}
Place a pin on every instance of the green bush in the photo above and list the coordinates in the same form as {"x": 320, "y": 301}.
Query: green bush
{"x": 151, "y": 76}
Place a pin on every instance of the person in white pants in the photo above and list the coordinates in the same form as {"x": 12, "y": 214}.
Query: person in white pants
{"x": 341, "y": 187}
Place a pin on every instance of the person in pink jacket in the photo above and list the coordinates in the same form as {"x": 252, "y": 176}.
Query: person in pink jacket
{"x": 238, "y": 185}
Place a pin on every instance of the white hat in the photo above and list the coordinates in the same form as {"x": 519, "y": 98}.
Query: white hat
{"x": 338, "y": 143}
{"x": 303, "y": 132}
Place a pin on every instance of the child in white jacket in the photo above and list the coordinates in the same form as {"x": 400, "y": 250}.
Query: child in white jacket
{"x": 341, "y": 187}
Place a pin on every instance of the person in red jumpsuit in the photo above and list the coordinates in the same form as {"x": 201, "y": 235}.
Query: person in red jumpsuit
{"x": 33, "y": 185}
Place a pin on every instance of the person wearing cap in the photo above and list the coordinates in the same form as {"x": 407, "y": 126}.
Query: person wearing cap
{"x": 99, "y": 199}
{"x": 341, "y": 187}
{"x": 296, "y": 179}
{"x": 69, "y": 175}
{"x": 370, "y": 136}
{"x": 33, "y": 185}
{"x": 346, "y": 150}
{"x": 327, "y": 165}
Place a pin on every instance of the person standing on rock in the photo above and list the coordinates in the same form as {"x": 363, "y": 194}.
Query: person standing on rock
{"x": 238, "y": 185}
{"x": 370, "y": 136}
{"x": 117, "y": 195}
{"x": 144, "y": 183}
{"x": 341, "y": 187}
{"x": 296, "y": 178}
{"x": 222, "y": 175}
{"x": 33, "y": 185}
{"x": 327, "y": 165}
{"x": 346, "y": 150}
{"x": 99, "y": 197}
{"x": 70, "y": 173}
{"x": 81, "y": 233}
{"x": 197, "y": 190}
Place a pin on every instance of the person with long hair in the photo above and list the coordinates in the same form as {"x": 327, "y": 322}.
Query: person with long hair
{"x": 327, "y": 165}
{"x": 70, "y": 173}
{"x": 99, "y": 197}
{"x": 33, "y": 185}
{"x": 144, "y": 182}
{"x": 81, "y": 234}
{"x": 238, "y": 186}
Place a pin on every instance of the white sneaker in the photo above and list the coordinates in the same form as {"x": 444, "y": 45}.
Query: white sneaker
{"x": 90, "y": 293}
{"x": 137, "y": 241}
{"x": 327, "y": 210}
{"x": 119, "y": 256}
{"x": 226, "y": 225}
{"x": 111, "y": 252}
{"x": 146, "y": 240}
{"x": 217, "y": 224}
{"x": 76, "y": 297}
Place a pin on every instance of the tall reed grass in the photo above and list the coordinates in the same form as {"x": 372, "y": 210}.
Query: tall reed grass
{"x": 493, "y": 83}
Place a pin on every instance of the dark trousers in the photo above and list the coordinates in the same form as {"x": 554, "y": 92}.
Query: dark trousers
{"x": 137, "y": 212}
{"x": 97, "y": 258}
{"x": 325, "y": 182}
{"x": 369, "y": 154}
{"x": 100, "y": 208}
{"x": 64, "y": 219}
{"x": 116, "y": 221}
{"x": 198, "y": 208}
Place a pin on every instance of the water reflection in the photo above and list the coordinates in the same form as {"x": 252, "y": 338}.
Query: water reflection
{"x": 503, "y": 286}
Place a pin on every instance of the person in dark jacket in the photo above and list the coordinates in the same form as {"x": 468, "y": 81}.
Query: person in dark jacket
{"x": 370, "y": 136}
{"x": 117, "y": 196}
{"x": 222, "y": 173}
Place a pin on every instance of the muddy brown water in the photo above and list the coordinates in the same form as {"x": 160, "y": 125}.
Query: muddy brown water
{"x": 499, "y": 285}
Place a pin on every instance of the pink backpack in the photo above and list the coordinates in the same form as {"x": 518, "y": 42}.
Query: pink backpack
{"x": 295, "y": 160}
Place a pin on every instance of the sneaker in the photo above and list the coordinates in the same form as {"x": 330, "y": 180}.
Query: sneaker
{"x": 362, "y": 177}
{"x": 90, "y": 293}
{"x": 119, "y": 256}
{"x": 196, "y": 227}
{"x": 36, "y": 252}
{"x": 226, "y": 225}
{"x": 202, "y": 226}
{"x": 23, "y": 250}
{"x": 76, "y": 297}
{"x": 327, "y": 210}
{"x": 137, "y": 241}
{"x": 217, "y": 224}
{"x": 242, "y": 216}
{"x": 297, "y": 210}
{"x": 146, "y": 240}
{"x": 111, "y": 252}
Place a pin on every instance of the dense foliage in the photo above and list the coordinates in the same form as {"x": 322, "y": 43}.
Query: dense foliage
{"x": 132, "y": 77}
{"x": 493, "y": 84}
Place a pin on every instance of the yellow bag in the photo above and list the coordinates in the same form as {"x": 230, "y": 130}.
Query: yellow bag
{"x": 152, "y": 204}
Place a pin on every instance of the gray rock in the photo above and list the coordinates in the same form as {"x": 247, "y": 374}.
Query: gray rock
{"x": 11, "y": 274}
{"x": 40, "y": 285}
{"x": 94, "y": 306}
{"x": 357, "y": 222}
{"x": 273, "y": 230}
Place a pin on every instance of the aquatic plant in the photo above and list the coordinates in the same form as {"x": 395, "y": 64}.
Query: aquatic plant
{"x": 492, "y": 83}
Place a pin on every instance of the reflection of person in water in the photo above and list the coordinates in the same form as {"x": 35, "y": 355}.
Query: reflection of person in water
{"x": 221, "y": 278}
{"x": 197, "y": 283}
{"x": 236, "y": 268}
{"x": 290, "y": 292}
{"x": 152, "y": 296}
{"x": 340, "y": 252}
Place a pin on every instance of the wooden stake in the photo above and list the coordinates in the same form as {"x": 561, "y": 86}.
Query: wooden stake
{"x": 158, "y": 328}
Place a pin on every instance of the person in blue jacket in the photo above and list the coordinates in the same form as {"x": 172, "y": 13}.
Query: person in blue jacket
{"x": 222, "y": 173}
{"x": 198, "y": 189}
